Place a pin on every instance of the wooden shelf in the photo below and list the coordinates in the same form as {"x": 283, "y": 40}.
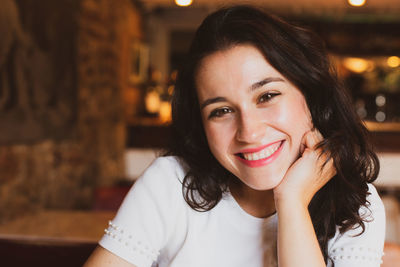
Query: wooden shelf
{"x": 151, "y": 135}
{"x": 146, "y": 122}
{"x": 383, "y": 126}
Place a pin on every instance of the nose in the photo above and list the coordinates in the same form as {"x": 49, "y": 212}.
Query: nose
{"x": 250, "y": 128}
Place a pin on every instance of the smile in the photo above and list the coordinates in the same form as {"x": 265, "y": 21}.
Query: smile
{"x": 260, "y": 156}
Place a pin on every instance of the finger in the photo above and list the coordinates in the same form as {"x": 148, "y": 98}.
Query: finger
{"x": 328, "y": 169}
{"x": 312, "y": 138}
{"x": 318, "y": 134}
{"x": 303, "y": 145}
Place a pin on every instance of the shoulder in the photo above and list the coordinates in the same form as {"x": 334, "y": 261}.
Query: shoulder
{"x": 357, "y": 245}
{"x": 163, "y": 171}
{"x": 373, "y": 214}
{"x": 160, "y": 183}
{"x": 375, "y": 210}
{"x": 169, "y": 162}
{"x": 168, "y": 165}
{"x": 150, "y": 214}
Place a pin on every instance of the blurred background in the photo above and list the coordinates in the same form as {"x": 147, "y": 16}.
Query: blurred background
{"x": 85, "y": 88}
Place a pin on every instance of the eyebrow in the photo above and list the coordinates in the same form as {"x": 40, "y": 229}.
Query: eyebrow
{"x": 264, "y": 82}
{"x": 253, "y": 87}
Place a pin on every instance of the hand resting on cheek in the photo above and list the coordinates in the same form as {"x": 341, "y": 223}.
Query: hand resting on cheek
{"x": 309, "y": 173}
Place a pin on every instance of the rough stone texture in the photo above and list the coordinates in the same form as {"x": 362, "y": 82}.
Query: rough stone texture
{"x": 38, "y": 88}
{"x": 63, "y": 174}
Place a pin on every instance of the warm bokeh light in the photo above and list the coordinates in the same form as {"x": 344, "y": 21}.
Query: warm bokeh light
{"x": 357, "y": 2}
{"x": 152, "y": 102}
{"x": 380, "y": 100}
{"x": 380, "y": 116}
{"x": 358, "y": 65}
{"x": 393, "y": 61}
{"x": 183, "y": 2}
{"x": 165, "y": 111}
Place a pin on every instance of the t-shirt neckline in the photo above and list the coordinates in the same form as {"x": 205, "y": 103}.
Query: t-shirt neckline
{"x": 240, "y": 217}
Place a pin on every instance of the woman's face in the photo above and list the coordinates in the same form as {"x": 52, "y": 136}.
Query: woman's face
{"x": 253, "y": 117}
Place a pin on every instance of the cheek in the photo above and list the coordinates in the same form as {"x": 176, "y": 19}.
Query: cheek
{"x": 214, "y": 138}
{"x": 294, "y": 118}
{"x": 219, "y": 137}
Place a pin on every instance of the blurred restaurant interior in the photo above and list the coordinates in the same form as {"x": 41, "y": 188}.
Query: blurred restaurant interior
{"x": 85, "y": 89}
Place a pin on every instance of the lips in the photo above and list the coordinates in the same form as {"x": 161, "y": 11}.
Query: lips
{"x": 260, "y": 156}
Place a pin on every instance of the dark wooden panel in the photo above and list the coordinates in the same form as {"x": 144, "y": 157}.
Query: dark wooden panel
{"x": 386, "y": 141}
{"x": 356, "y": 36}
{"x": 151, "y": 136}
{"x": 44, "y": 253}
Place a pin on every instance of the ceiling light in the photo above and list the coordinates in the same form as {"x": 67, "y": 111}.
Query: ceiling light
{"x": 357, "y": 2}
{"x": 183, "y": 2}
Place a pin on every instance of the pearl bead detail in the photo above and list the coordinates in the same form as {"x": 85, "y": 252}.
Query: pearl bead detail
{"x": 356, "y": 254}
{"x": 136, "y": 246}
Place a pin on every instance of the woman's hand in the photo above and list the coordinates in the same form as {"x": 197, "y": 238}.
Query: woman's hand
{"x": 297, "y": 242}
{"x": 309, "y": 173}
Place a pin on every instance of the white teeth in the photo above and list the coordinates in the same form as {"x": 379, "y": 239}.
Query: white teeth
{"x": 265, "y": 153}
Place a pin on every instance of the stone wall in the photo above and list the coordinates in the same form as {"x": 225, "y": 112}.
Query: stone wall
{"x": 61, "y": 171}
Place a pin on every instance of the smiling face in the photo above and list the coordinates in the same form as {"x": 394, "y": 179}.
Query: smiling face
{"x": 253, "y": 117}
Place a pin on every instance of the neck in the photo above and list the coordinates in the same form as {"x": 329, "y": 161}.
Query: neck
{"x": 255, "y": 202}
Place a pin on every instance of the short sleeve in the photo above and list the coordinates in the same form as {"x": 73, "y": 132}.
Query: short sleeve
{"x": 354, "y": 249}
{"x": 148, "y": 215}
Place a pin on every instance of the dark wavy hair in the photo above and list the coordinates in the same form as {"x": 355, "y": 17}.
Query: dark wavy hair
{"x": 300, "y": 56}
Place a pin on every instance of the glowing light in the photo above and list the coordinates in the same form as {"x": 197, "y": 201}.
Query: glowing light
{"x": 380, "y": 100}
{"x": 393, "y": 61}
{"x": 380, "y": 116}
{"x": 357, "y": 2}
{"x": 358, "y": 65}
{"x": 361, "y": 111}
{"x": 183, "y": 2}
{"x": 165, "y": 111}
{"x": 152, "y": 102}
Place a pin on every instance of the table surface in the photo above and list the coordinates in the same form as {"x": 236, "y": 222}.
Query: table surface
{"x": 65, "y": 225}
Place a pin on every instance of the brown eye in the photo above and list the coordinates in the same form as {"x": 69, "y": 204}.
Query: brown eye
{"x": 219, "y": 112}
{"x": 267, "y": 97}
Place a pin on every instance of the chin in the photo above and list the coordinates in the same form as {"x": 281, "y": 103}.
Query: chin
{"x": 263, "y": 185}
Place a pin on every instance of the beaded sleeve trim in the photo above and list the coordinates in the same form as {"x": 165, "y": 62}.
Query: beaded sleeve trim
{"x": 356, "y": 254}
{"x": 130, "y": 242}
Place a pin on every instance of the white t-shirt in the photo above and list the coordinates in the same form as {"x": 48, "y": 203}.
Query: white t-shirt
{"x": 155, "y": 225}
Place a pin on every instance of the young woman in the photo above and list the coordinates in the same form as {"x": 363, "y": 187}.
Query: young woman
{"x": 272, "y": 161}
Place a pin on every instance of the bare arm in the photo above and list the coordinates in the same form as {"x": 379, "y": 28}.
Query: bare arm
{"x": 297, "y": 241}
{"x": 104, "y": 258}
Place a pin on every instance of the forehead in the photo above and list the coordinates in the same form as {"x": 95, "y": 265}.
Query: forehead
{"x": 243, "y": 56}
{"x": 241, "y": 65}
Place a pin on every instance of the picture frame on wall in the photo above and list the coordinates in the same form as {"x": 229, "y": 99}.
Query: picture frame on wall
{"x": 139, "y": 62}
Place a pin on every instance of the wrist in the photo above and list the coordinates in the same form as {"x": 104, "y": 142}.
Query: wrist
{"x": 290, "y": 202}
